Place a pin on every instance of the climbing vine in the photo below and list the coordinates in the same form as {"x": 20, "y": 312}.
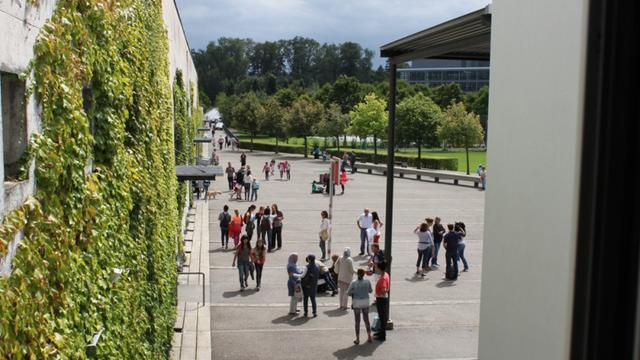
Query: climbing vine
{"x": 105, "y": 198}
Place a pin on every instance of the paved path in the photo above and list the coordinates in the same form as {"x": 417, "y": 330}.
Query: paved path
{"x": 433, "y": 319}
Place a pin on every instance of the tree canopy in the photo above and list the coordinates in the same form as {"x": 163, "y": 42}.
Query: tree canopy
{"x": 369, "y": 118}
{"x": 418, "y": 119}
{"x": 461, "y": 128}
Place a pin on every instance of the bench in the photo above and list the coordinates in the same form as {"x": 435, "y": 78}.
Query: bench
{"x": 436, "y": 175}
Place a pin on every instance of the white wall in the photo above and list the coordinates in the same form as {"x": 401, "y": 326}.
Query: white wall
{"x": 536, "y": 99}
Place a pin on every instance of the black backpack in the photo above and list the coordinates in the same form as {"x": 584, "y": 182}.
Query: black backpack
{"x": 265, "y": 224}
{"x": 226, "y": 219}
{"x": 310, "y": 279}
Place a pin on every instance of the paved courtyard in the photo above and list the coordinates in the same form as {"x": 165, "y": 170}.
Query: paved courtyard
{"x": 433, "y": 319}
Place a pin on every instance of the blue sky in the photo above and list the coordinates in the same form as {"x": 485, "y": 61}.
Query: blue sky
{"x": 369, "y": 22}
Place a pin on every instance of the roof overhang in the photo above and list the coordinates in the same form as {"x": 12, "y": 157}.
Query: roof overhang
{"x": 467, "y": 37}
{"x": 198, "y": 172}
{"x": 202, "y": 139}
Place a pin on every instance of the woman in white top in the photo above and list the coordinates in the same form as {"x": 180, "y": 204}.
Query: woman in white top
{"x": 324, "y": 234}
{"x": 425, "y": 246}
{"x": 344, "y": 268}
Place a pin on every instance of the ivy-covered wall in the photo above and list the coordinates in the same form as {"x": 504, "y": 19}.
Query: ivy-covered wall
{"x": 105, "y": 191}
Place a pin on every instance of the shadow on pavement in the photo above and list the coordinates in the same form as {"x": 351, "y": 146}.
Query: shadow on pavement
{"x": 291, "y": 320}
{"x": 231, "y": 294}
{"x": 336, "y": 312}
{"x": 446, "y": 283}
{"x": 363, "y": 350}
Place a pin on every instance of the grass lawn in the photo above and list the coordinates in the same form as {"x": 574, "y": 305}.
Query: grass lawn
{"x": 475, "y": 156}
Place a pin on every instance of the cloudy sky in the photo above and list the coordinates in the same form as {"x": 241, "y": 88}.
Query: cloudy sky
{"x": 369, "y": 22}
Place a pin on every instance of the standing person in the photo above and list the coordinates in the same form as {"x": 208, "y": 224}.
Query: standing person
{"x": 273, "y": 167}
{"x": 259, "y": 257}
{"x": 248, "y": 170}
{"x": 352, "y": 162}
{"x": 377, "y": 256}
{"x": 287, "y": 168}
{"x": 343, "y": 180}
{"x": 243, "y": 255}
{"x": 281, "y": 169}
{"x": 226, "y": 141}
{"x": 235, "y": 228}
{"x": 258, "y": 217}
{"x": 266, "y": 169}
{"x": 249, "y": 221}
{"x": 230, "y": 173}
{"x": 450, "y": 243}
{"x": 225, "y": 220}
{"x": 243, "y": 159}
{"x": 382, "y": 300}
{"x": 364, "y": 222}
{"x": 294, "y": 273}
{"x": 220, "y": 142}
{"x": 248, "y": 183}
{"x": 196, "y": 188}
{"x": 425, "y": 247}
{"x": 324, "y": 233}
{"x": 309, "y": 282}
{"x": 276, "y": 227}
{"x": 345, "y": 271}
{"x": 377, "y": 227}
{"x": 255, "y": 186}
{"x": 359, "y": 291}
{"x": 460, "y": 229}
{"x": 483, "y": 177}
{"x": 345, "y": 161}
{"x": 265, "y": 228}
{"x": 438, "y": 233}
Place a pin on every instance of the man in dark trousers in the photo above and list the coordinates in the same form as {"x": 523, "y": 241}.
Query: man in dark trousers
{"x": 450, "y": 243}
{"x": 225, "y": 219}
{"x": 352, "y": 162}
{"x": 230, "y": 173}
{"x": 382, "y": 300}
{"x": 438, "y": 234}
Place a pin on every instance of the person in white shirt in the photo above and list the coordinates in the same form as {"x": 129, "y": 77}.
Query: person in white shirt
{"x": 324, "y": 234}
{"x": 425, "y": 246}
{"x": 365, "y": 221}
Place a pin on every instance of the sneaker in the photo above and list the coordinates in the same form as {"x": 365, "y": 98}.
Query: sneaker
{"x": 257, "y": 288}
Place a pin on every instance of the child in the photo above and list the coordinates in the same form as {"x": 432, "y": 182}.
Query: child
{"x": 343, "y": 180}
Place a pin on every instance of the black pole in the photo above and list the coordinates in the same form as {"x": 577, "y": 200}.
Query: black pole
{"x": 391, "y": 145}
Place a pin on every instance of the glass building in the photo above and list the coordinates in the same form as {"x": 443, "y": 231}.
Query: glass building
{"x": 471, "y": 75}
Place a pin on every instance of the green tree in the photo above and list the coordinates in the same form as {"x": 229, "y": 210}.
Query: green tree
{"x": 369, "y": 118}
{"x": 272, "y": 120}
{"x": 246, "y": 113}
{"x": 418, "y": 120}
{"x": 461, "y": 128}
{"x": 447, "y": 94}
{"x": 479, "y": 103}
{"x": 302, "y": 116}
{"x": 333, "y": 124}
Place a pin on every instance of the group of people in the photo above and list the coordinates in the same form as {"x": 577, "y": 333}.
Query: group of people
{"x": 284, "y": 168}
{"x": 200, "y": 186}
{"x": 242, "y": 182}
{"x": 431, "y": 234}
{"x": 226, "y": 142}
{"x": 370, "y": 226}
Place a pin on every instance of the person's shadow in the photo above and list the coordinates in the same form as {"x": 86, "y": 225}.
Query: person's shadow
{"x": 363, "y": 350}
{"x": 291, "y": 320}
{"x": 231, "y": 294}
{"x": 446, "y": 283}
{"x": 336, "y": 312}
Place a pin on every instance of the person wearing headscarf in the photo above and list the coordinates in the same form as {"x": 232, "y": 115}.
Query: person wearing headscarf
{"x": 345, "y": 270}
{"x": 295, "y": 274}
{"x": 309, "y": 281}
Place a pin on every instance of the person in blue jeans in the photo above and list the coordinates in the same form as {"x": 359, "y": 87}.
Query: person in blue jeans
{"x": 450, "y": 243}
{"x": 243, "y": 255}
{"x": 438, "y": 233}
{"x": 225, "y": 219}
{"x": 309, "y": 281}
{"x": 364, "y": 222}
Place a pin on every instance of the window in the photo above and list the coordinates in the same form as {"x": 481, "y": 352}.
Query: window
{"x": 14, "y": 123}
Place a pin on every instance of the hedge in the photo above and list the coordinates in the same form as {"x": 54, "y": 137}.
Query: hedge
{"x": 426, "y": 162}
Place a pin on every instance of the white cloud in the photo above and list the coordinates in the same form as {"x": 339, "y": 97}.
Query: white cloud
{"x": 371, "y": 23}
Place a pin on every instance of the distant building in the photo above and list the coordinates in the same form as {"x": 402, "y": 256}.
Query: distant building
{"x": 471, "y": 75}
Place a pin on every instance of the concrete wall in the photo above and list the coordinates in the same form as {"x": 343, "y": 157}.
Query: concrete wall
{"x": 532, "y": 197}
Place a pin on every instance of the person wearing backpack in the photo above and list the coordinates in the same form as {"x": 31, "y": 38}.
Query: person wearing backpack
{"x": 255, "y": 186}
{"x": 248, "y": 220}
{"x": 224, "y": 219}
{"x": 309, "y": 284}
{"x": 265, "y": 228}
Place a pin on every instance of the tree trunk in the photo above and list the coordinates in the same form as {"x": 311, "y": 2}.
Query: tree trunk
{"x": 419, "y": 155}
{"x": 345, "y": 141}
{"x": 306, "y": 155}
{"x": 325, "y": 142}
{"x": 276, "y": 144}
{"x": 338, "y": 142}
{"x": 375, "y": 150}
{"x": 251, "y": 149}
{"x": 466, "y": 147}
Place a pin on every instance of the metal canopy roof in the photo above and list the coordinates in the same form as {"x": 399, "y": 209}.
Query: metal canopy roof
{"x": 202, "y": 139}
{"x": 198, "y": 172}
{"x": 467, "y": 37}
{"x": 204, "y": 129}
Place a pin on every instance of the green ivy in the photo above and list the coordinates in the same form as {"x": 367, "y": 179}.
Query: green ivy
{"x": 122, "y": 213}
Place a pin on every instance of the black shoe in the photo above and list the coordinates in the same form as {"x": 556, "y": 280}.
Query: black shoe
{"x": 306, "y": 315}
{"x": 362, "y": 253}
{"x": 315, "y": 315}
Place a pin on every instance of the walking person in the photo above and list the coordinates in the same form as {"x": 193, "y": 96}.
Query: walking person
{"x": 364, "y": 222}
{"x": 309, "y": 282}
{"x": 425, "y": 247}
{"x": 343, "y": 180}
{"x": 230, "y": 171}
{"x": 276, "y": 227}
{"x": 324, "y": 233}
{"x": 293, "y": 284}
{"x": 235, "y": 228}
{"x": 287, "y": 169}
{"x": 249, "y": 221}
{"x": 382, "y": 300}
{"x": 438, "y": 233}
{"x": 243, "y": 256}
{"x": 345, "y": 270}
{"x": 259, "y": 257}
{"x": 265, "y": 228}
{"x": 273, "y": 167}
{"x": 255, "y": 186}
{"x": 206, "y": 184}
{"x": 483, "y": 177}
{"x": 266, "y": 169}
{"x": 243, "y": 159}
{"x": 450, "y": 243}
{"x": 225, "y": 219}
{"x": 220, "y": 142}
{"x": 359, "y": 291}
{"x": 248, "y": 182}
{"x": 352, "y": 161}
{"x": 460, "y": 229}
{"x": 281, "y": 169}
{"x": 226, "y": 141}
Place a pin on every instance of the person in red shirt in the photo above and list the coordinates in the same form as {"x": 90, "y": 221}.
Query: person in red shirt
{"x": 382, "y": 300}
{"x": 343, "y": 180}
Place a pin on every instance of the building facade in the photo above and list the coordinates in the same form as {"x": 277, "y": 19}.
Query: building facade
{"x": 471, "y": 75}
